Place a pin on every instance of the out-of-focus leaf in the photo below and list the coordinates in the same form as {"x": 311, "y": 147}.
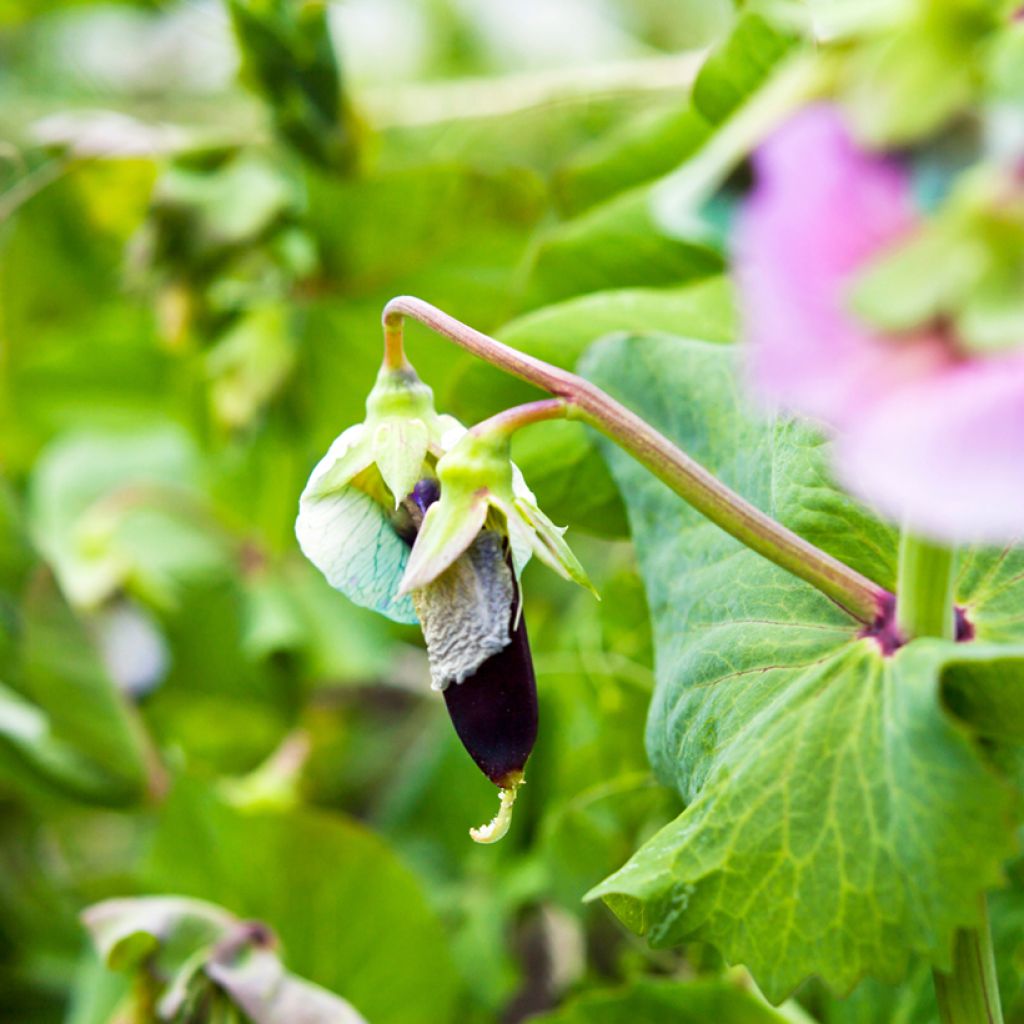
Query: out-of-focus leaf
{"x": 203, "y": 211}
{"x": 739, "y": 66}
{"x": 249, "y": 364}
{"x": 80, "y": 714}
{"x": 906, "y": 83}
{"x": 118, "y": 509}
{"x": 289, "y": 59}
{"x": 349, "y": 913}
{"x": 297, "y": 610}
{"x": 681, "y": 1002}
{"x": 1006, "y": 65}
{"x": 26, "y": 731}
{"x": 641, "y": 149}
{"x": 682, "y": 203}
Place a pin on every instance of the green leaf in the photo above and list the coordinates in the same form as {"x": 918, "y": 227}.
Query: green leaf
{"x": 739, "y": 66}
{"x": 71, "y": 723}
{"x": 26, "y": 731}
{"x": 288, "y": 56}
{"x": 820, "y": 777}
{"x": 646, "y": 999}
{"x": 113, "y": 509}
{"x": 350, "y": 916}
{"x": 1006, "y": 65}
{"x": 641, "y": 149}
{"x": 615, "y": 245}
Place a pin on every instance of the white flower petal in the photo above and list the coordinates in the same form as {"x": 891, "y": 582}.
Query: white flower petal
{"x": 348, "y": 537}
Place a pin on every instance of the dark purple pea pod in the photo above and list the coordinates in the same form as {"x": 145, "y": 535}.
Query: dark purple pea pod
{"x": 480, "y": 658}
{"x": 494, "y": 710}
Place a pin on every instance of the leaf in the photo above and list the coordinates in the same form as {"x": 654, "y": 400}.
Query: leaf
{"x": 821, "y": 777}
{"x": 639, "y": 150}
{"x": 350, "y": 916}
{"x": 646, "y": 999}
{"x": 739, "y": 66}
{"x": 111, "y": 509}
{"x": 289, "y": 58}
{"x": 905, "y": 84}
{"x": 70, "y": 722}
{"x": 617, "y": 244}
{"x": 26, "y": 731}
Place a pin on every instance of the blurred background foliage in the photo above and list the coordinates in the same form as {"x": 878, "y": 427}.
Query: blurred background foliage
{"x": 203, "y": 208}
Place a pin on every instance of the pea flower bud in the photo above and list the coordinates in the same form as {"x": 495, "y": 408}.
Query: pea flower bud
{"x": 421, "y": 520}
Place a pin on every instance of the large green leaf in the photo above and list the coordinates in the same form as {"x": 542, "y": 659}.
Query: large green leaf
{"x": 737, "y": 68}
{"x": 350, "y": 916}
{"x": 840, "y": 817}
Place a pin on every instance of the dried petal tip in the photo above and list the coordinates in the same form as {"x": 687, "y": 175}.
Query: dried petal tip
{"x": 500, "y": 823}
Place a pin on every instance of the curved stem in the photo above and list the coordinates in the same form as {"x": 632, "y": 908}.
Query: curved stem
{"x": 858, "y": 595}
{"x": 394, "y": 348}
{"x": 510, "y": 420}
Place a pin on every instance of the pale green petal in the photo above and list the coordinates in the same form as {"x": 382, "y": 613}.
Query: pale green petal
{"x": 348, "y": 537}
{"x": 348, "y": 455}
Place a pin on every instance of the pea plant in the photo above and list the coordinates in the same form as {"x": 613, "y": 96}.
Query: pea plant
{"x": 748, "y": 320}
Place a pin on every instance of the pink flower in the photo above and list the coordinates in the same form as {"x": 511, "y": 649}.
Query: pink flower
{"x": 930, "y": 436}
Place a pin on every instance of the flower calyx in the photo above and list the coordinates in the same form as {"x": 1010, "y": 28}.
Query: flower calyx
{"x": 481, "y": 490}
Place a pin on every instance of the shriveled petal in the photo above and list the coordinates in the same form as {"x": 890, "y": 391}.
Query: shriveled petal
{"x": 821, "y": 209}
{"x": 449, "y": 527}
{"x": 466, "y": 611}
{"x": 946, "y": 454}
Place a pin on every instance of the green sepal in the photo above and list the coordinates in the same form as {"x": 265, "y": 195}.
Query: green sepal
{"x": 477, "y": 479}
{"x": 402, "y": 427}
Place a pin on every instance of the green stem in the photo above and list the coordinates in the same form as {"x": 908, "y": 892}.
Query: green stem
{"x": 970, "y": 994}
{"x": 924, "y": 591}
{"x": 924, "y": 607}
{"x": 862, "y": 598}
{"x": 508, "y": 421}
